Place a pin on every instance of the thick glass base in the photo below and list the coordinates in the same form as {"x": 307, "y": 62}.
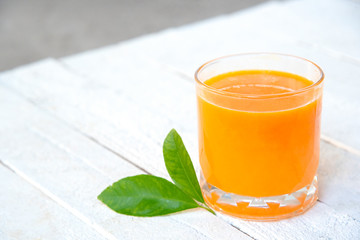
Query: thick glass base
{"x": 260, "y": 208}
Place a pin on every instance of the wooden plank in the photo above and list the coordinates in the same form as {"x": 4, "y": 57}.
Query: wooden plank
{"x": 143, "y": 137}
{"x": 339, "y": 180}
{"x": 328, "y": 24}
{"x": 24, "y": 207}
{"x": 73, "y": 169}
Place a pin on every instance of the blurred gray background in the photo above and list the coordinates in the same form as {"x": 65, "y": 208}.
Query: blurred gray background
{"x": 34, "y": 29}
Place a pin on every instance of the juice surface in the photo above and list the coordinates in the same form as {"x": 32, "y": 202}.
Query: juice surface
{"x": 258, "y": 153}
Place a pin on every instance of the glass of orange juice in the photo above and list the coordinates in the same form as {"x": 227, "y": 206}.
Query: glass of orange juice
{"x": 259, "y": 134}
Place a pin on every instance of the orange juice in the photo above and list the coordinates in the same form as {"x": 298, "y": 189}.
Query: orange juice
{"x": 259, "y": 137}
{"x": 263, "y": 153}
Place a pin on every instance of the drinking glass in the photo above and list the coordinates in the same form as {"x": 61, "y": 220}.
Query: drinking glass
{"x": 259, "y": 153}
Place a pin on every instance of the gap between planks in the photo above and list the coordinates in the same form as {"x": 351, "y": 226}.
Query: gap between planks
{"x": 44, "y": 110}
{"x": 60, "y": 202}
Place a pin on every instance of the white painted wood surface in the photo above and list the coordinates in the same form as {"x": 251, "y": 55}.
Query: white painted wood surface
{"x": 70, "y": 127}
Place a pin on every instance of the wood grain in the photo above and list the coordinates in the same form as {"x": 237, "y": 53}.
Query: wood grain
{"x": 24, "y": 206}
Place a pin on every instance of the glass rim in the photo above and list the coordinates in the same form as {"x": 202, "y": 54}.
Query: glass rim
{"x": 259, "y": 96}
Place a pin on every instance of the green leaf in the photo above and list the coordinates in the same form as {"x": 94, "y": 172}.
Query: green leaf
{"x": 145, "y": 195}
{"x": 180, "y": 167}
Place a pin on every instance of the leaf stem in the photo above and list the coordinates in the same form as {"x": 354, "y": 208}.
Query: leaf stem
{"x": 206, "y": 207}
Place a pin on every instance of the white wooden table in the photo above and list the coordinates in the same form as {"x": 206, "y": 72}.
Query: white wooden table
{"x": 70, "y": 127}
